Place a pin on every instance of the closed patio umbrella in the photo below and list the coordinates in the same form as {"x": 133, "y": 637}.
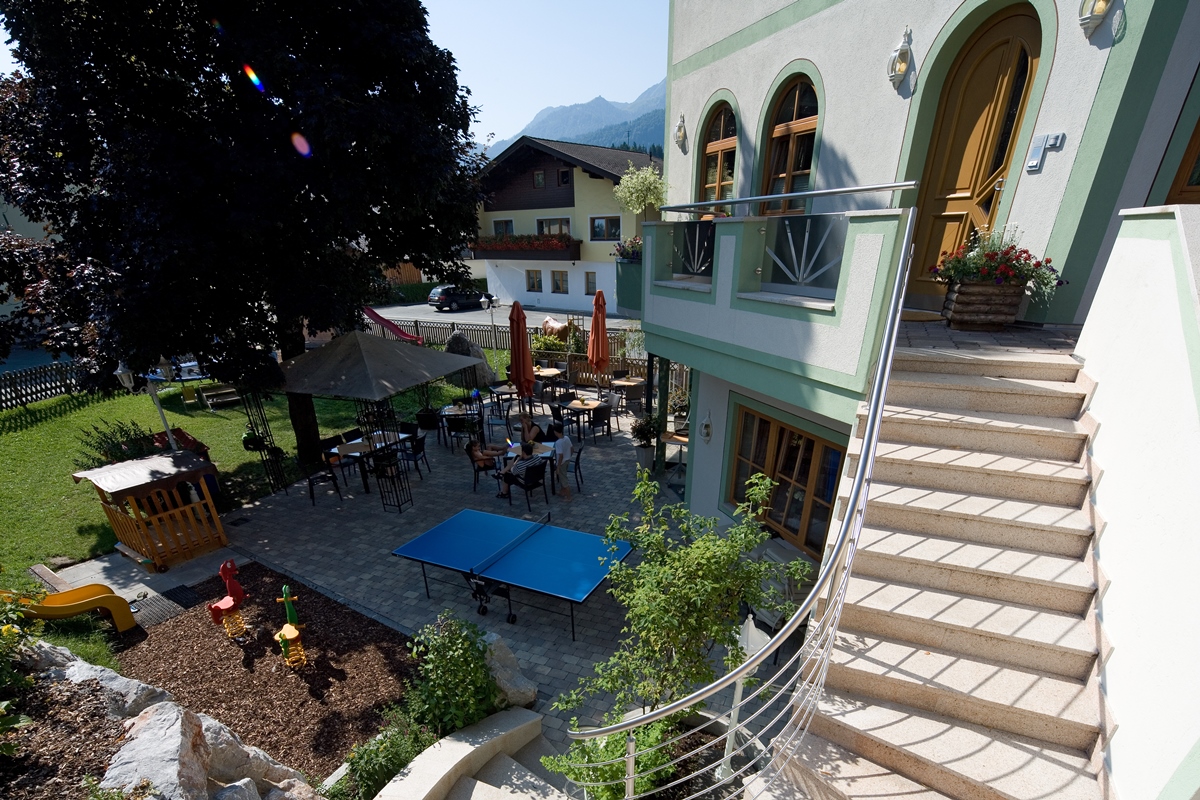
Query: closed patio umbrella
{"x": 521, "y": 367}
{"x": 597, "y": 351}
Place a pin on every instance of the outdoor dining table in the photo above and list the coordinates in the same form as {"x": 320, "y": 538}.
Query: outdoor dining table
{"x": 626, "y": 383}
{"x": 582, "y": 406}
{"x": 544, "y": 451}
{"x": 360, "y": 450}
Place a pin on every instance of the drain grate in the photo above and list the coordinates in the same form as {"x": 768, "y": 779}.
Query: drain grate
{"x": 183, "y": 596}
{"x": 154, "y": 609}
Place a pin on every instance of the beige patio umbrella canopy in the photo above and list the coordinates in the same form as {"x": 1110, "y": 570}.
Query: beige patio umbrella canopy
{"x": 362, "y": 366}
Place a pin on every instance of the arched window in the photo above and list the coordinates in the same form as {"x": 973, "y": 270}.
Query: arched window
{"x": 720, "y": 147}
{"x": 793, "y": 134}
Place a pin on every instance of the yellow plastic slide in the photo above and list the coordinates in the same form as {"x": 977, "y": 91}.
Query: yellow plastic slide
{"x": 93, "y": 597}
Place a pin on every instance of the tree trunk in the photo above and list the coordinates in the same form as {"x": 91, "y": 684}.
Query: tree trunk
{"x": 301, "y": 411}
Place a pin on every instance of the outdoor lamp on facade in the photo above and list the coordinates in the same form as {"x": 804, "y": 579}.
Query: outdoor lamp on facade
{"x": 1091, "y": 14}
{"x": 124, "y": 376}
{"x": 900, "y": 63}
{"x": 681, "y": 134}
{"x": 706, "y": 428}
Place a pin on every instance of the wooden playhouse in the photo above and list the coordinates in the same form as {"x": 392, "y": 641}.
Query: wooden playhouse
{"x": 160, "y": 507}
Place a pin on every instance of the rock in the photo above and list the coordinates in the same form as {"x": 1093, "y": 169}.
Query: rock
{"x": 293, "y": 789}
{"x": 126, "y": 697}
{"x": 232, "y": 760}
{"x": 165, "y": 745}
{"x": 240, "y": 790}
{"x": 460, "y": 345}
{"x": 42, "y": 655}
{"x": 515, "y": 688}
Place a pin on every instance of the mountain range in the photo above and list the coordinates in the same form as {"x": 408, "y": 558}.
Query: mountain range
{"x": 600, "y": 122}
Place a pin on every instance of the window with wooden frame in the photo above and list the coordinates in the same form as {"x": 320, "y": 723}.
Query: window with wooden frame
{"x": 558, "y": 281}
{"x": 720, "y": 151}
{"x": 533, "y": 280}
{"x": 589, "y": 283}
{"x": 556, "y": 225}
{"x": 539, "y": 179}
{"x": 502, "y": 227}
{"x": 564, "y": 177}
{"x": 789, "y": 156}
{"x": 606, "y": 229}
{"x": 805, "y": 469}
{"x": 1186, "y": 186}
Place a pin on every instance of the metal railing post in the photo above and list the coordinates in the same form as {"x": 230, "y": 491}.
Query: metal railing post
{"x": 630, "y": 771}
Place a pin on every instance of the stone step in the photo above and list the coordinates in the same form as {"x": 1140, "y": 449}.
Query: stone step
{"x": 1043, "y": 580}
{"x": 1010, "y": 434}
{"x": 516, "y": 780}
{"x": 983, "y": 393}
{"x": 992, "y": 630}
{"x": 823, "y": 770}
{"x": 1036, "y": 527}
{"x": 965, "y": 761}
{"x": 990, "y": 363}
{"x": 1050, "y": 708}
{"x": 530, "y": 756}
{"x": 1033, "y": 480}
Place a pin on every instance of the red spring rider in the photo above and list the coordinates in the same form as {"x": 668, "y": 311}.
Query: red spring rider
{"x": 225, "y": 611}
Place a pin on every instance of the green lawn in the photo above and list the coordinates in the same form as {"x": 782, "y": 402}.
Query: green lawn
{"x": 46, "y": 518}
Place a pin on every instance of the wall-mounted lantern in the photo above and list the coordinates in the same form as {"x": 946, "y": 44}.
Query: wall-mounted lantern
{"x": 1091, "y": 14}
{"x": 681, "y": 134}
{"x": 706, "y": 428}
{"x": 901, "y": 62}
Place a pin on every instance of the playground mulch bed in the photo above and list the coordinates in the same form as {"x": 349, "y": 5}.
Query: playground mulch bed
{"x": 71, "y": 738}
{"x": 308, "y": 718}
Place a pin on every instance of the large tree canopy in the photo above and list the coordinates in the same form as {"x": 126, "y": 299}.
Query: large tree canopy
{"x": 219, "y": 174}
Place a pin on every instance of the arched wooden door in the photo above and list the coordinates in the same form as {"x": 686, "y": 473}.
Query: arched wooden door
{"x": 978, "y": 119}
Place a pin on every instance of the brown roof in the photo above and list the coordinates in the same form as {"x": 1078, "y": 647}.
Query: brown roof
{"x": 142, "y": 476}
{"x": 608, "y": 162}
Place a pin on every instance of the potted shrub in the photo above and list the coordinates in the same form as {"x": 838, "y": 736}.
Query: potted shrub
{"x": 644, "y": 432}
{"x": 988, "y": 277}
{"x": 679, "y": 404}
{"x": 427, "y": 416}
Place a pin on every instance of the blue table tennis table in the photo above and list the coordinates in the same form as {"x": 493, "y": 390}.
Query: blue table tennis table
{"x": 495, "y": 553}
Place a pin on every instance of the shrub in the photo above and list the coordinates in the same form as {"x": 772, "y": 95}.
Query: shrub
{"x": 455, "y": 687}
{"x": 644, "y": 430}
{"x": 15, "y": 630}
{"x": 110, "y": 442}
{"x": 629, "y": 249}
{"x": 10, "y": 721}
{"x": 374, "y": 763}
{"x": 578, "y": 763}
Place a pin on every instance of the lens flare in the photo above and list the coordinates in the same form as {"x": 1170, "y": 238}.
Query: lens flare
{"x": 253, "y": 77}
{"x": 301, "y": 145}
{"x": 216, "y": 23}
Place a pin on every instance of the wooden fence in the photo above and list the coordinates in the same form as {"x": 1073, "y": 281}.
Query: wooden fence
{"x": 24, "y": 386}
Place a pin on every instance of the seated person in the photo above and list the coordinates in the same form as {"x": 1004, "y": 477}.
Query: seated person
{"x": 483, "y": 456}
{"x": 530, "y": 430}
{"x": 516, "y": 468}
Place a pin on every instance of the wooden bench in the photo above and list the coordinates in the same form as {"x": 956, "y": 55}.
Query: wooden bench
{"x": 217, "y": 395}
{"x": 46, "y": 576}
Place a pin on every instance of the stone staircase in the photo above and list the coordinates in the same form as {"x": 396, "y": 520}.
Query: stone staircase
{"x": 967, "y": 659}
{"x": 507, "y": 777}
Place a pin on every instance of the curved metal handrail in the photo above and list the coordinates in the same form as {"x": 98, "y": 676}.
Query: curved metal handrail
{"x": 846, "y": 533}
{"x": 700, "y": 207}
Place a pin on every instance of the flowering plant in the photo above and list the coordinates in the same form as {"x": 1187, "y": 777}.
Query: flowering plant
{"x": 995, "y": 258}
{"x": 629, "y": 249}
{"x": 525, "y": 241}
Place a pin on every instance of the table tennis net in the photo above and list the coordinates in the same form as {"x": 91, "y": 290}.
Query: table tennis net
{"x": 512, "y": 544}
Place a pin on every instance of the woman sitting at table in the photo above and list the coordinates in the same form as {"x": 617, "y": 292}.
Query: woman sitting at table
{"x": 530, "y": 430}
{"x": 516, "y": 468}
{"x": 483, "y": 456}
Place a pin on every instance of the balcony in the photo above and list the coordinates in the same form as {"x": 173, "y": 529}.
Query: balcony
{"x": 528, "y": 247}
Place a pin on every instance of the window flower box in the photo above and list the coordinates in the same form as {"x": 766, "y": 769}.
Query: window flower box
{"x": 528, "y": 247}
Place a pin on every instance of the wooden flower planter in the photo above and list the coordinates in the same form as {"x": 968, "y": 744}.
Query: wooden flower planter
{"x": 982, "y": 306}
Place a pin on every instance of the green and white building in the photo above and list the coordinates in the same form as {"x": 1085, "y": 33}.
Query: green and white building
{"x": 1077, "y": 125}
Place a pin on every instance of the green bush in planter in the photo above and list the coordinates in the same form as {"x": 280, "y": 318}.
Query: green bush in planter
{"x": 579, "y": 764}
{"x": 374, "y": 763}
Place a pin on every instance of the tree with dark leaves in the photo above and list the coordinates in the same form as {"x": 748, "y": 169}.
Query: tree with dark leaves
{"x": 219, "y": 177}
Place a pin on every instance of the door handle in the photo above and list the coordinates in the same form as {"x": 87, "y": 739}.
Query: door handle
{"x": 999, "y": 187}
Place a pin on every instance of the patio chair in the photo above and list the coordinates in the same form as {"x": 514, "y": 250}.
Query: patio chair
{"x": 634, "y": 399}
{"x": 498, "y": 416}
{"x": 618, "y": 374}
{"x": 459, "y": 427}
{"x": 411, "y": 428}
{"x": 535, "y": 476}
{"x": 413, "y": 451}
{"x": 613, "y": 399}
{"x": 481, "y": 469}
{"x": 335, "y": 459}
{"x": 565, "y": 379}
{"x": 352, "y": 435}
{"x": 567, "y": 420}
{"x": 573, "y": 466}
{"x": 189, "y": 395}
{"x": 601, "y": 418}
{"x": 321, "y": 472}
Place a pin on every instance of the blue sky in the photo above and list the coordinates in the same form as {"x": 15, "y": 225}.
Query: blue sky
{"x": 519, "y": 56}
